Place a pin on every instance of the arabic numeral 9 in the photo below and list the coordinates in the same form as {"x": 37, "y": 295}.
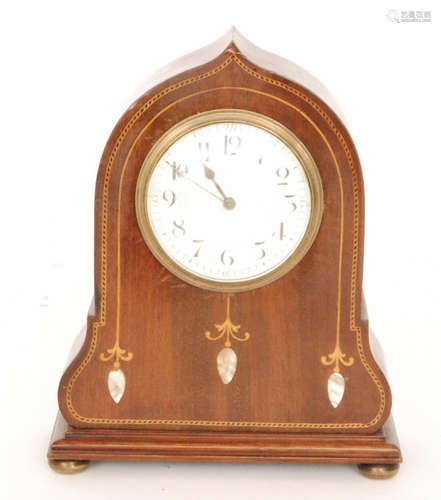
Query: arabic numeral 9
{"x": 169, "y": 197}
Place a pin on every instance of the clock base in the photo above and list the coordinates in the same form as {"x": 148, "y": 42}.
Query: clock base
{"x": 377, "y": 455}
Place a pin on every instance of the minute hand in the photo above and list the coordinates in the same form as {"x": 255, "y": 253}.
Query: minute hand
{"x": 202, "y": 187}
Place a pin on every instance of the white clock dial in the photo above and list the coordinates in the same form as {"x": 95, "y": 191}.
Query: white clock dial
{"x": 228, "y": 202}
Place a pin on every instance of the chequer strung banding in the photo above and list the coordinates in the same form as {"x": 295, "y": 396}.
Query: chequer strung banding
{"x": 227, "y": 358}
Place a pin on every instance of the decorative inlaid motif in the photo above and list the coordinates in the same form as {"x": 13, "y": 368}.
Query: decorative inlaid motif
{"x": 116, "y": 353}
{"x": 227, "y": 358}
{"x": 116, "y": 383}
{"x": 336, "y": 388}
{"x": 226, "y": 364}
{"x": 336, "y": 382}
{"x": 116, "y": 380}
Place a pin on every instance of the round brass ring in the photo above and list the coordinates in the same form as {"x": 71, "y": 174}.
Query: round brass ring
{"x": 235, "y": 116}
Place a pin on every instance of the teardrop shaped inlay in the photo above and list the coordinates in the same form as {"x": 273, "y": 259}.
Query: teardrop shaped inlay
{"x": 336, "y": 388}
{"x": 116, "y": 382}
{"x": 226, "y": 364}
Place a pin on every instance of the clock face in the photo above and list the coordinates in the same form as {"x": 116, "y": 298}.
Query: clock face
{"x": 228, "y": 200}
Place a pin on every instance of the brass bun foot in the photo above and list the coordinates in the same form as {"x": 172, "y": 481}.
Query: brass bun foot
{"x": 68, "y": 466}
{"x": 378, "y": 471}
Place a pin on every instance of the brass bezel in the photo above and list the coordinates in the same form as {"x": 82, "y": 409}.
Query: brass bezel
{"x": 235, "y": 116}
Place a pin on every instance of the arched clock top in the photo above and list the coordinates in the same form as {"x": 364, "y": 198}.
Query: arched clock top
{"x": 295, "y": 348}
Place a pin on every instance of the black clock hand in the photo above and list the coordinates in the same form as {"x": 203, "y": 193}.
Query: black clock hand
{"x": 178, "y": 173}
{"x": 229, "y": 203}
{"x": 210, "y": 174}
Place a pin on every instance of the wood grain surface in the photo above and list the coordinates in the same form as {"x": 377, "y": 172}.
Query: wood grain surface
{"x": 110, "y": 444}
{"x": 281, "y": 383}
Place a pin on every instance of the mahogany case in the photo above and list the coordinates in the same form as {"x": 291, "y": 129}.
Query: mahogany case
{"x": 303, "y": 327}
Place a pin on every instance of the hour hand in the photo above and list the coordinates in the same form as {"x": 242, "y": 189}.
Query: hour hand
{"x": 182, "y": 173}
{"x": 229, "y": 203}
{"x": 209, "y": 174}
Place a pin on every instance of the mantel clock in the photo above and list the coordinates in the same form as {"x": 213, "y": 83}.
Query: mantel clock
{"x": 228, "y": 321}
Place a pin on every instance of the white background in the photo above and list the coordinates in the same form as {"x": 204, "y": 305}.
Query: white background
{"x": 68, "y": 71}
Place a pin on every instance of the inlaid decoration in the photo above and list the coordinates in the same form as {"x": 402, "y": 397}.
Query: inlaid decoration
{"x": 226, "y": 364}
{"x": 336, "y": 381}
{"x": 116, "y": 380}
{"x": 336, "y": 388}
{"x": 227, "y": 358}
{"x": 116, "y": 383}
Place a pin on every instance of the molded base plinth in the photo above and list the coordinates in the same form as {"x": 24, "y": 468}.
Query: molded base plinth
{"x": 377, "y": 455}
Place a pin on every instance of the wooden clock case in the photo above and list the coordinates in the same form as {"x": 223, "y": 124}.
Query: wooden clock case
{"x": 304, "y": 327}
